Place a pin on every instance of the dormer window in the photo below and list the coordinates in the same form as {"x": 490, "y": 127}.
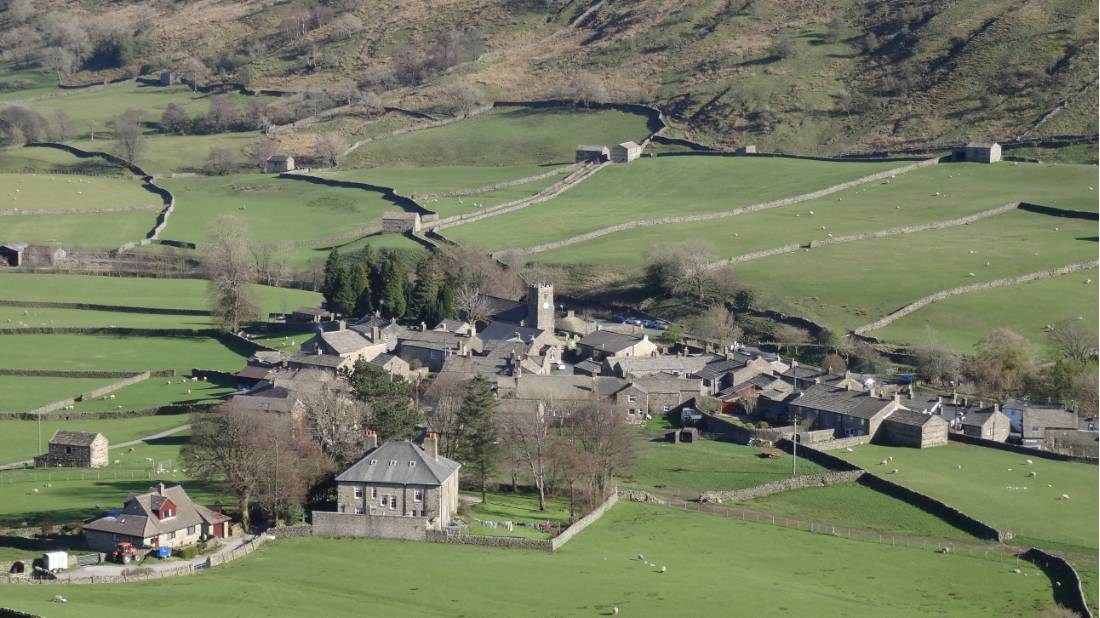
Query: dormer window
{"x": 373, "y": 461}
{"x": 412, "y": 464}
{"x": 393, "y": 462}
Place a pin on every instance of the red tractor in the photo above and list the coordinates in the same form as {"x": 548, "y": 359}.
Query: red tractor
{"x": 124, "y": 552}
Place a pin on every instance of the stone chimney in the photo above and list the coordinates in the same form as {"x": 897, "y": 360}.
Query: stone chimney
{"x": 341, "y": 325}
{"x": 897, "y": 397}
{"x": 160, "y": 489}
{"x": 375, "y": 332}
{"x": 874, "y": 392}
{"x": 371, "y": 441}
{"x": 955, "y": 397}
{"x": 431, "y": 445}
{"x": 570, "y": 314}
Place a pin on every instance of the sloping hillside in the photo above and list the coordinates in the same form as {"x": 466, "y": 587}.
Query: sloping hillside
{"x": 797, "y": 75}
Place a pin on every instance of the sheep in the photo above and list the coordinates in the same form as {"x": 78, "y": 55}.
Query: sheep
{"x": 1065, "y": 496}
{"x": 897, "y": 207}
{"x": 849, "y": 449}
{"x": 1028, "y": 462}
{"x": 958, "y": 467}
{"x": 641, "y": 557}
{"x": 112, "y": 395}
{"x": 811, "y": 212}
{"x": 891, "y": 458}
{"x": 1016, "y": 571}
{"x": 944, "y": 550}
{"x": 882, "y": 463}
{"x": 894, "y": 471}
{"x": 1033, "y": 474}
{"x": 972, "y": 252}
{"x": 614, "y": 611}
{"x": 664, "y": 569}
{"x": 972, "y": 275}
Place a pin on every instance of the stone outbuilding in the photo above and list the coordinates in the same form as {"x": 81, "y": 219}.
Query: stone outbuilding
{"x": 988, "y": 425}
{"x": 625, "y": 152}
{"x": 169, "y": 77}
{"x": 592, "y": 154}
{"x": 400, "y": 222}
{"x": 279, "y": 164}
{"x": 16, "y": 254}
{"x": 75, "y": 449}
{"x": 913, "y": 429}
{"x": 747, "y": 149}
{"x": 981, "y": 152}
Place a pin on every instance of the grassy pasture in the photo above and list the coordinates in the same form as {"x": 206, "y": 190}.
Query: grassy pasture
{"x": 70, "y": 494}
{"x": 851, "y": 284}
{"x": 12, "y": 317}
{"x": 767, "y": 569}
{"x": 49, "y": 191}
{"x": 855, "y": 506}
{"x": 1027, "y": 308}
{"x": 16, "y": 84}
{"x": 18, "y": 393}
{"x": 97, "y": 107}
{"x": 103, "y": 230}
{"x": 708, "y": 465}
{"x": 652, "y": 188}
{"x": 138, "y": 292}
{"x": 164, "y": 154}
{"x": 409, "y": 179}
{"x": 118, "y": 353}
{"x": 398, "y": 242}
{"x": 965, "y": 189}
{"x": 993, "y": 486}
{"x": 19, "y": 439}
{"x": 156, "y": 392}
{"x": 504, "y": 136}
{"x": 53, "y": 161}
{"x": 272, "y": 209}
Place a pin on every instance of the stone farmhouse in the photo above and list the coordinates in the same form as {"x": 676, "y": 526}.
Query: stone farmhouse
{"x": 288, "y": 390}
{"x": 625, "y": 152}
{"x": 849, "y": 412}
{"x": 75, "y": 449}
{"x": 638, "y": 399}
{"x": 309, "y": 315}
{"x": 401, "y": 479}
{"x": 161, "y": 517}
{"x": 980, "y": 152}
{"x": 279, "y": 164}
{"x": 592, "y": 154}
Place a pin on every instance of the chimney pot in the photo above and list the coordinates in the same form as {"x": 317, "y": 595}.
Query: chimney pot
{"x": 160, "y": 489}
{"x": 431, "y": 444}
{"x": 372, "y": 440}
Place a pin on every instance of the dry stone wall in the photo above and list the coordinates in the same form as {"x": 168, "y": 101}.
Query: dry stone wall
{"x": 497, "y": 186}
{"x": 974, "y": 287}
{"x": 578, "y": 526}
{"x": 799, "y": 482}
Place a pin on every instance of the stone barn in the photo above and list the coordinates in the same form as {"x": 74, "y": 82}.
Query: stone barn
{"x": 913, "y": 429}
{"x": 15, "y": 254}
{"x": 592, "y": 154}
{"x": 75, "y": 449}
{"x": 169, "y": 77}
{"x": 991, "y": 425}
{"x": 400, "y": 222}
{"x": 279, "y": 164}
{"x": 625, "y": 152}
{"x": 11, "y": 254}
{"x": 747, "y": 149}
{"x": 981, "y": 152}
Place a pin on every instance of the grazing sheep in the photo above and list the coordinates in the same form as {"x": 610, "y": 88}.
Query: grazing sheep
{"x": 894, "y": 471}
{"x": 664, "y": 569}
{"x": 972, "y": 274}
{"x": 849, "y": 449}
{"x": 1033, "y": 473}
{"x": 958, "y": 467}
{"x": 614, "y": 611}
{"x": 1016, "y": 571}
{"x": 1065, "y": 496}
{"x": 1028, "y": 462}
{"x": 944, "y": 550}
{"x": 882, "y": 463}
{"x": 641, "y": 557}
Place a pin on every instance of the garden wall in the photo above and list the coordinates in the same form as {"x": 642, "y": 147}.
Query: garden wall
{"x": 578, "y": 526}
{"x": 1016, "y": 448}
{"x": 329, "y": 524}
{"x": 506, "y": 542}
{"x": 986, "y": 285}
{"x": 832, "y": 445}
{"x": 1068, "y": 589}
{"x": 286, "y": 532}
{"x": 799, "y": 482}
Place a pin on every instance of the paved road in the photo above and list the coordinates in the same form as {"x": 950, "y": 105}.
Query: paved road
{"x": 115, "y": 569}
{"x": 162, "y": 434}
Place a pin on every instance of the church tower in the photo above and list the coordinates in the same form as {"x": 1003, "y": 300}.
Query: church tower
{"x": 540, "y": 306}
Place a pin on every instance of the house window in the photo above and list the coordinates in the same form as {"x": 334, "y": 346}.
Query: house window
{"x": 393, "y": 462}
{"x": 374, "y": 493}
{"x": 632, "y": 399}
{"x": 358, "y": 492}
{"x": 359, "y": 510}
{"x": 191, "y": 531}
{"x": 417, "y": 495}
{"x": 666, "y": 408}
{"x": 393, "y": 502}
{"x": 171, "y": 535}
{"x": 68, "y": 450}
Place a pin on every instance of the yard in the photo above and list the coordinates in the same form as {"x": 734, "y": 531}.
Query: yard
{"x": 652, "y": 188}
{"x": 66, "y": 495}
{"x": 762, "y": 569}
{"x": 504, "y": 136}
{"x": 707, "y": 465}
{"x": 272, "y": 209}
{"x": 519, "y": 508}
{"x": 994, "y": 487}
{"x": 52, "y": 191}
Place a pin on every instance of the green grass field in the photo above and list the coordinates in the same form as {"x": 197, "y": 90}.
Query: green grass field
{"x": 504, "y": 136}
{"x": 156, "y": 392}
{"x": 49, "y": 191}
{"x": 847, "y": 285}
{"x": 410, "y": 179}
{"x": 763, "y": 570}
{"x": 962, "y": 320}
{"x": 138, "y": 292}
{"x": 53, "y": 161}
{"x": 101, "y": 231}
{"x": 854, "y": 506}
{"x": 11, "y": 317}
{"x": 301, "y": 256}
{"x": 19, "y": 393}
{"x": 708, "y": 465}
{"x": 993, "y": 486}
{"x": 165, "y": 154}
{"x": 99, "y": 106}
{"x": 653, "y": 188}
{"x": 19, "y": 439}
{"x": 503, "y": 506}
{"x": 65, "y": 495}
{"x": 965, "y": 189}
{"x": 271, "y": 209}
{"x": 118, "y": 353}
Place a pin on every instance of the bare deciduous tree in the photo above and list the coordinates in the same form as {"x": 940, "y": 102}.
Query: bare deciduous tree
{"x": 129, "y": 134}
{"x": 223, "y": 446}
{"x": 346, "y": 25}
{"x": 586, "y": 88}
{"x": 716, "y": 323}
{"x": 682, "y": 267}
{"x": 219, "y": 161}
{"x": 21, "y": 11}
{"x": 195, "y": 72}
{"x": 261, "y": 150}
{"x": 462, "y": 98}
{"x": 63, "y": 125}
{"x": 330, "y": 148}
{"x": 20, "y": 43}
{"x": 271, "y": 265}
{"x": 231, "y": 270}
{"x": 337, "y": 419}
{"x": 1073, "y": 339}
{"x": 59, "y": 60}
{"x": 471, "y": 304}
{"x": 530, "y": 436}
{"x": 790, "y": 336}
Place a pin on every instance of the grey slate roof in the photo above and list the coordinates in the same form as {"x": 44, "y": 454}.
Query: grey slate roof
{"x": 400, "y": 463}
{"x": 829, "y": 399}
{"x": 718, "y": 368}
{"x": 73, "y": 438}
{"x": 908, "y": 417}
{"x": 665, "y": 362}
{"x": 138, "y": 517}
{"x": 502, "y": 331}
{"x": 344, "y": 341}
{"x": 608, "y": 341}
{"x": 317, "y": 360}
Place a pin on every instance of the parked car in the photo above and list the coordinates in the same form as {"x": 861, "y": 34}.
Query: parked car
{"x": 634, "y": 321}
{"x": 618, "y": 319}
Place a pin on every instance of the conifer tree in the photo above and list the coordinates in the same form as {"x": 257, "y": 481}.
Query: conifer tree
{"x": 392, "y": 294}
{"x": 334, "y": 271}
{"x": 477, "y": 435}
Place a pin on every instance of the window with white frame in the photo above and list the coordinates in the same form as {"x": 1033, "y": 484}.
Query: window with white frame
{"x": 358, "y": 492}
{"x": 171, "y": 535}
{"x": 393, "y": 502}
{"x": 374, "y": 493}
{"x": 418, "y": 495}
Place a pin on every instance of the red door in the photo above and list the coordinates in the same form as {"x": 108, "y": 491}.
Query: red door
{"x": 219, "y": 530}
